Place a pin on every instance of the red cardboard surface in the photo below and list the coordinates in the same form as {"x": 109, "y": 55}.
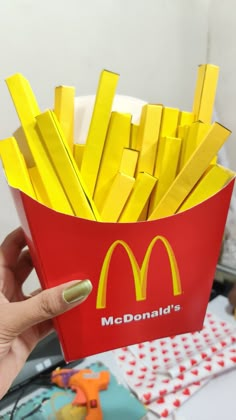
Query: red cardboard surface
{"x": 150, "y": 279}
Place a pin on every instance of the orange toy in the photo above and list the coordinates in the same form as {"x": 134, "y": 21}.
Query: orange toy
{"x": 87, "y": 384}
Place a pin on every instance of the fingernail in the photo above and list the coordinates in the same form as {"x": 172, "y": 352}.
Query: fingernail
{"x": 77, "y": 292}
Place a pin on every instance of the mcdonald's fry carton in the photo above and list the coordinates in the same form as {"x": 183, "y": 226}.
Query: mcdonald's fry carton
{"x": 150, "y": 279}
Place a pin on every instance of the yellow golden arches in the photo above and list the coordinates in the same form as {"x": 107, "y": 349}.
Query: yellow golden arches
{"x": 140, "y": 275}
{"x": 176, "y": 283}
{"x": 102, "y": 284}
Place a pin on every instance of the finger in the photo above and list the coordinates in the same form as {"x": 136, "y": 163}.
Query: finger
{"x": 12, "y": 247}
{"x": 44, "y": 306}
{"x": 45, "y": 328}
{"x": 36, "y": 333}
{"x": 11, "y": 280}
{"x": 23, "y": 267}
{"x": 33, "y": 293}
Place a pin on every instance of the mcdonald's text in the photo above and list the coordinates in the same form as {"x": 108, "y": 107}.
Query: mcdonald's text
{"x": 111, "y": 320}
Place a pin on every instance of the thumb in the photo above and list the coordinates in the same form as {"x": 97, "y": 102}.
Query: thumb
{"x": 45, "y": 305}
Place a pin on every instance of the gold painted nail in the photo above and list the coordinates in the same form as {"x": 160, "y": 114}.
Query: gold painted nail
{"x": 77, "y": 292}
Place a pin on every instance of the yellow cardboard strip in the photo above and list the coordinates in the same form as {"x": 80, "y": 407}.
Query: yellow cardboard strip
{"x": 98, "y": 129}
{"x": 168, "y": 169}
{"x": 191, "y": 172}
{"x": 15, "y": 167}
{"x": 138, "y": 198}
{"x": 205, "y": 91}
{"x": 129, "y": 161}
{"x": 182, "y": 133}
{"x": 117, "y": 138}
{"x": 65, "y": 166}
{"x": 169, "y": 123}
{"x": 195, "y": 134}
{"x": 64, "y": 110}
{"x": 40, "y": 192}
{"x": 78, "y": 152}
{"x": 117, "y": 197}
{"x": 23, "y": 98}
{"x": 215, "y": 178}
{"x": 27, "y": 109}
{"x": 133, "y": 136}
{"x": 185, "y": 118}
{"x": 19, "y": 135}
{"x": 147, "y": 137}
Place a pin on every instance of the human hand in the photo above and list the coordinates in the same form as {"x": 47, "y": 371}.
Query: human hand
{"x": 25, "y": 321}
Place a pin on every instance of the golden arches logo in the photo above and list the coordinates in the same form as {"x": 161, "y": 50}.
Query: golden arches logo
{"x": 139, "y": 274}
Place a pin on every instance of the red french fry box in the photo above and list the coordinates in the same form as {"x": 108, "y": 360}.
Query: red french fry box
{"x": 150, "y": 279}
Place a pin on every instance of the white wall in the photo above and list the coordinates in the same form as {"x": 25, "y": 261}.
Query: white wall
{"x": 155, "y": 45}
{"x": 222, "y": 51}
